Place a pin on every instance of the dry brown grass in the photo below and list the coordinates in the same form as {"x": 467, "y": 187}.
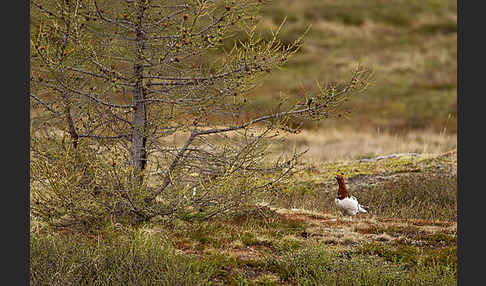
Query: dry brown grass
{"x": 342, "y": 234}
{"x": 332, "y": 144}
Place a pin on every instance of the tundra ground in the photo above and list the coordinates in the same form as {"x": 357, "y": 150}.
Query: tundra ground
{"x": 407, "y": 238}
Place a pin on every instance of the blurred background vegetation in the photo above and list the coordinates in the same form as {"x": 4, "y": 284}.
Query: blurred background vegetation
{"x": 410, "y": 44}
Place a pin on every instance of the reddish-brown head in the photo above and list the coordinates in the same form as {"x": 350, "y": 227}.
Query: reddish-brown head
{"x": 342, "y": 191}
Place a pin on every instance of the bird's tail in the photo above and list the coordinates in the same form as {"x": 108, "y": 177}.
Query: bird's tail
{"x": 361, "y": 209}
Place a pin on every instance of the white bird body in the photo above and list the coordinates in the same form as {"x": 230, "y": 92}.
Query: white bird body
{"x": 345, "y": 203}
{"x": 349, "y": 206}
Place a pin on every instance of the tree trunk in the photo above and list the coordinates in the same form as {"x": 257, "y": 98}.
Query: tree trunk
{"x": 69, "y": 121}
{"x": 139, "y": 121}
{"x": 139, "y": 138}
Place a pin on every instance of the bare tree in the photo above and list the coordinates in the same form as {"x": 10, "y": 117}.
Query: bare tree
{"x": 143, "y": 78}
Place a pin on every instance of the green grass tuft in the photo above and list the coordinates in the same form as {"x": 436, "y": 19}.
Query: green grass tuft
{"x": 317, "y": 266}
{"x": 134, "y": 260}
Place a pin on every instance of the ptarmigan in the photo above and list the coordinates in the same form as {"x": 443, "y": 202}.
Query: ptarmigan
{"x": 346, "y": 204}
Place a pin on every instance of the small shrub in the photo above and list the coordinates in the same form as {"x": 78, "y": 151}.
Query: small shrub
{"x": 80, "y": 186}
